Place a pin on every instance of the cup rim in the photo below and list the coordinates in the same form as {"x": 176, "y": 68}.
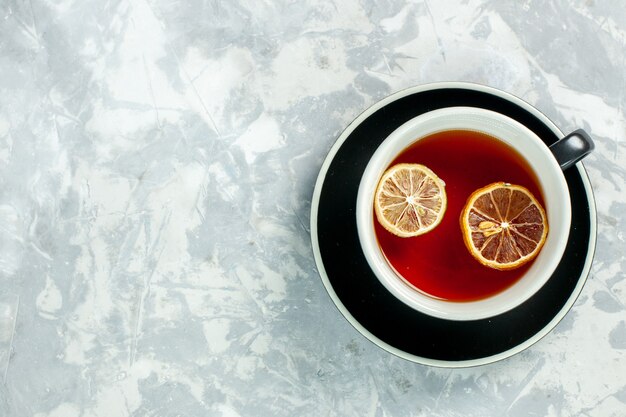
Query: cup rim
{"x": 467, "y": 310}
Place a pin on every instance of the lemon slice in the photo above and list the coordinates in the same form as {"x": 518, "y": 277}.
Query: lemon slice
{"x": 410, "y": 200}
{"x": 503, "y": 225}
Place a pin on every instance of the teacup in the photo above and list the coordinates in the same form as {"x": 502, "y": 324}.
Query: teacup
{"x": 547, "y": 164}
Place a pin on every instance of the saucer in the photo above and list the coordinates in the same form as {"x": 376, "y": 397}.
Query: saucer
{"x": 371, "y": 308}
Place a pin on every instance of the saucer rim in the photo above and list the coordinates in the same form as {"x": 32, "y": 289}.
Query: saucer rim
{"x": 584, "y": 273}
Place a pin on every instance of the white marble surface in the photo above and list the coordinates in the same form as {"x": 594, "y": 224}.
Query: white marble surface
{"x": 157, "y": 161}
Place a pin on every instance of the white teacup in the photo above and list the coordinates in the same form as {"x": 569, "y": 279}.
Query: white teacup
{"x": 546, "y": 162}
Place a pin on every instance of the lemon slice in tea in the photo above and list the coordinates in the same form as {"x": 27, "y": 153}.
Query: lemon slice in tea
{"x": 410, "y": 200}
{"x": 503, "y": 225}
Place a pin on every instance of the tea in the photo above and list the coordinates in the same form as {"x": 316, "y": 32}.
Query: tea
{"x": 438, "y": 263}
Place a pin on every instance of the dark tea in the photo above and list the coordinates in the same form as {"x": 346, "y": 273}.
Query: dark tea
{"x": 438, "y": 263}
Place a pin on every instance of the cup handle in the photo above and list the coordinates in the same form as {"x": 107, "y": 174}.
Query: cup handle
{"x": 572, "y": 148}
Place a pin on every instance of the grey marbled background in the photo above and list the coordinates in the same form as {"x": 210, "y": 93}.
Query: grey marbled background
{"x": 157, "y": 161}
